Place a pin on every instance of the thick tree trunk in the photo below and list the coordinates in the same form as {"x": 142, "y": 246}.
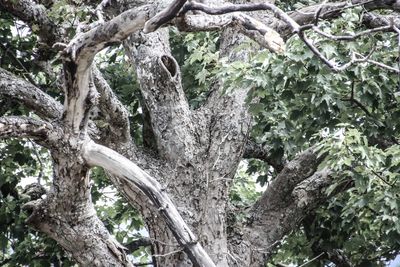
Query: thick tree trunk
{"x": 202, "y": 148}
{"x": 67, "y": 213}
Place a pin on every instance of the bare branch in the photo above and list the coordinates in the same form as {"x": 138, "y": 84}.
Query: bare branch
{"x": 164, "y": 16}
{"x": 374, "y": 20}
{"x": 30, "y": 96}
{"x": 121, "y": 167}
{"x": 308, "y": 14}
{"x": 251, "y": 27}
{"x": 355, "y": 58}
{"x": 352, "y": 36}
{"x": 229, "y": 8}
{"x": 79, "y": 56}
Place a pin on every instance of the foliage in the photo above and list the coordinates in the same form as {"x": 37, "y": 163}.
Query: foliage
{"x": 353, "y": 115}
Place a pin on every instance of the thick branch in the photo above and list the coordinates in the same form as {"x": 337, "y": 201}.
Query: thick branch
{"x": 292, "y": 194}
{"x": 254, "y": 29}
{"x": 34, "y": 14}
{"x": 79, "y": 55}
{"x": 258, "y": 151}
{"x": 279, "y": 191}
{"x": 229, "y": 8}
{"x": 22, "y": 91}
{"x": 307, "y": 15}
{"x": 111, "y": 161}
{"x": 22, "y": 127}
{"x": 164, "y": 16}
{"x": 115, "y": 113}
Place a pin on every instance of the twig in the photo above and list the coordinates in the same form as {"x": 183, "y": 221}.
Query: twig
{"x": 350, "y": 37}
{"x": 229, "y": 8}
{"x": 99, "y": 10}
{"x": 143, "y": 263}
{"x": 169, "y": 253}
{"x": 41, "y": 171}
{"x": 315, "y": 50}
{"x": 318, "y": 13}
{"x": 355, "y": 101}
{"x": 313, "y": 259}
{"x": 347, "y": 7}
{"x": 380, "y": 177}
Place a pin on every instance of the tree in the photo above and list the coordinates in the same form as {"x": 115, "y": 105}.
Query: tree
{"x": 318, "y": 121}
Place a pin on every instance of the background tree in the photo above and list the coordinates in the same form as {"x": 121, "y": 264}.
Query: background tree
{"x": 307, "y": 98}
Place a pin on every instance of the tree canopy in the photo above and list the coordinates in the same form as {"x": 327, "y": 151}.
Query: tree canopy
{"x": 209, "y": 133}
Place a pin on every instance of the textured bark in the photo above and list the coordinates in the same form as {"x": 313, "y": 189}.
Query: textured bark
{"x": 160, "y": 83}
{"x": 27, "y": 127}
{"x": 33, "y": 98}
{"x": 124, "y": 169}
{"x": 112, "y": 110}
{"x": 182, "y": 188}
{"x": 68, "y": 215}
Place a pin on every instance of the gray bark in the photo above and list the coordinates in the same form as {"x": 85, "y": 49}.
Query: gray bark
{"x": 183, "y": 190}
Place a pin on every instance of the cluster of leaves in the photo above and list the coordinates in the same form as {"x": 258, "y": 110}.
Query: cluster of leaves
{"x": 295, "y": 99}
{"x": 362, "y": 221}
{"x": 297, "y": 95}
{"x": 69, "y": 13}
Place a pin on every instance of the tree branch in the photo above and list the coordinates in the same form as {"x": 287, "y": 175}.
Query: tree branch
{"x": 79, "y": 55}
{"x": 136, "y": 244}
{"x": 295, "y": 191}
{"x": 254, "y": 29}
{"x": 258, "y": 151}
{"x": 22, "y": 91}
{"x": 229, "y": 8}
{"x": 112, "y": 109}
{"x": 34, "y": 14}
{"x": 24, "y": 127}
{"x": 279, "y": 191}
{"x": 307, "y": 15}
{"x": 164, "y": 16}
{"x": 121, "y": 167}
